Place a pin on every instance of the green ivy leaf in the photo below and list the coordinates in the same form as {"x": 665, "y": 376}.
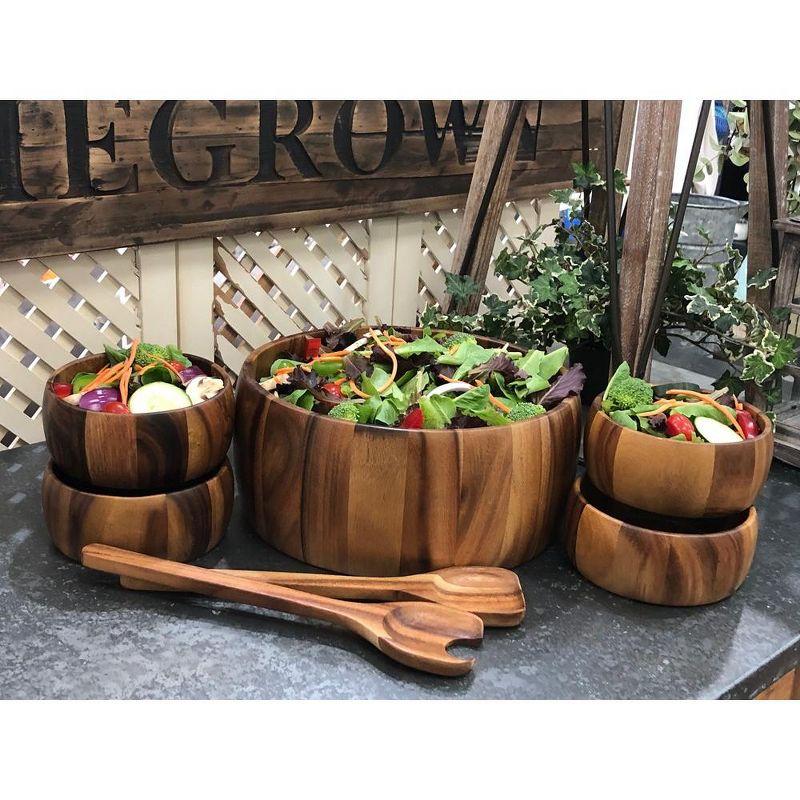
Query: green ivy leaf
{"x": 757, "y": 367}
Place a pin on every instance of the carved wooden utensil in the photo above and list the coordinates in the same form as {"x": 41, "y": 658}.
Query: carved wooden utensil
{"x": 494, "y": 594}
{"x": 414, "y": 634}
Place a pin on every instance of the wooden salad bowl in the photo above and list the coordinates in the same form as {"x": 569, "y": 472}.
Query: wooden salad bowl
{"x": 653, "y": 559}
{"x": 366, "y": 500}
{"x": 137, "y": 452}
{"x": 676, "y": 478}
{"x": 180, "y": 525}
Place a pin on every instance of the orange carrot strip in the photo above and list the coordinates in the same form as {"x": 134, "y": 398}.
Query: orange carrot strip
{"x": 104, "y": 376}
{"x": 499, "y": 404}
{"x": 358, "y": 391}
{"x": 392, "y": 357}
{"x": 284, "y": 370}
{"x": 445, "y": 378}
{"x": 125, "y": 377}
{"x": 340, "y": 381}
{"x": 704, "y": 398}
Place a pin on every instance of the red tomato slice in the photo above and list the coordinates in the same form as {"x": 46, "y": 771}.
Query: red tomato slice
{"x": 332, "y": 388}
{"x": 412, "y": 420}
{"x": 312, "y": 347}
{"x": 116, "y": 407}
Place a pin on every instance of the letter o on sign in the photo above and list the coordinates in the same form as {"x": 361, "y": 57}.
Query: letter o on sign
{"x": 343, "y": 135}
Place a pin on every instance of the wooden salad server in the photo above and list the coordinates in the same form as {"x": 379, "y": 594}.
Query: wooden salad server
{"x": 492, "y": 593}
{"x": 416, "y": 634}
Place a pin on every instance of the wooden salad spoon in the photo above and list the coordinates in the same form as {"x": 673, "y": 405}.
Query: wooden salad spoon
{"x": 416, "y": 634}
{"x": 494, "y": 594}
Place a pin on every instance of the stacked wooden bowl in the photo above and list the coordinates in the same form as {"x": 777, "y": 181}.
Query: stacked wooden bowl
{"x": 665, "y": 521}
{"x": 156, "y": 483}
{"x": 367, "y": 500}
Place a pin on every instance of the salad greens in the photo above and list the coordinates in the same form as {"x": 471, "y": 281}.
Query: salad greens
{"x": 433, "y": 379}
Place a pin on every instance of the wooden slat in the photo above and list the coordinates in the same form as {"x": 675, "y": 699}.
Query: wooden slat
{"x": 159, "y": 290}
{"x": 239, "y": 321}
{"x": 487, "y": 196}
{"x": 647, "y": 216}
{"x": 29, "y": 286}
{"x": 121, "y": 267}
{"x": 254, "y": 292}
{"x": 20, "y": 377}
{"x": 23, "y": 426}
{"x": 77, "y": 274}
{"x": 332, "y": 248}
{"x": 231, "y": 357}
{"x": 194, "y": 294}
{"x": 381, "y": 269}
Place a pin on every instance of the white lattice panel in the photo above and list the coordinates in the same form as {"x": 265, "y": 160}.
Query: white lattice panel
{"x": 439, "y": 235}
{"x": 274, "y": 283}
{"x": 51, "y": 311}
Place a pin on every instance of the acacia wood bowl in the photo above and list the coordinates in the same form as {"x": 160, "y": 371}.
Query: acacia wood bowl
{"x": 181, "y": 525}
{"x": 676, "y": 478}
{"x": 368, "y": 500}
{"x": 137, "y": 452}
{"x": 672, "y": 562}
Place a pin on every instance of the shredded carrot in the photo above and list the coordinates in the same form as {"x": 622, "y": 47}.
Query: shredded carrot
{"x": 445, "y": 378}
{"x": 704, "y": 398}
{"x": 340, "y": 381}
{"x": 165, "y": 363}
{"x": 358, "y": 391}
{"x": 738, "y": 405}
{"x": 660, "y": 410}
{"x": 499, "y": 404}
{"x": 104, "y": 376}
{"x": 392, "y": 357}
{"x": 125, "y": 377}
{"x": 283, "y": 370}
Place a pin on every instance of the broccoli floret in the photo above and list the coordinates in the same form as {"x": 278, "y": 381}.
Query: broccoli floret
{"x": 457, "y": 338}
{"x": 145, "y": 353}
{"x": 628, "y": 393}
{"x": 346, "y": 411}
{"x": 525, "y": 411}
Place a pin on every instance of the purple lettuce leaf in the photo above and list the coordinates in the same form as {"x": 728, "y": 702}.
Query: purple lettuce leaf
{"x": 569, "y": 382}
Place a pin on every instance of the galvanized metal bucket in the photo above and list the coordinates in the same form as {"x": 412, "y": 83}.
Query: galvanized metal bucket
{"x": 714, "y": 214}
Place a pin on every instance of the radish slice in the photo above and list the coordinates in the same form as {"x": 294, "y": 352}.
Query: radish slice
{"x": 457, "y": 386}
{"x": 715, "y": 432}
{"x": 356, "y": 345}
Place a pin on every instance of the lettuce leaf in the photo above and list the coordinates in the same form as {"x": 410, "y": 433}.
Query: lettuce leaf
{"x": 424, "y": 344}
{"x": 299, "y": 397}
{"x": 570, "y": 382}
{"x": 437, "y": 411}
{"x": 280, "y": 363}
{"x": 552, "y": 363}
{"x": 693, "y": 410}
{"x": 624, "y": 418}
{"x": 175, "y": 354}
{"x": 476, "y": 403}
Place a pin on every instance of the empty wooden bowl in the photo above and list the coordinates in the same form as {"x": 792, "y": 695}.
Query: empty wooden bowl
{"x": 137, "y": 452}
{"x": 676, "y": 478}
{"x": 663, "y": 561}
{"x": 367, "y": 500}
{"x": 179, "y": 525}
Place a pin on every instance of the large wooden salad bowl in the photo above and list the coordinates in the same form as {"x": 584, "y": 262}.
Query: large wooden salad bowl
{"x": 362, "y": 499}
{"x": 657, "y": 560}
{"x": 137, "y": 452}
{"x": 676, "y": 478}
{"x": 180, "y": 525}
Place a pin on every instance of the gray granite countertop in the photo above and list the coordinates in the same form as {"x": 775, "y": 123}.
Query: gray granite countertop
{"x": 66, "y": 632}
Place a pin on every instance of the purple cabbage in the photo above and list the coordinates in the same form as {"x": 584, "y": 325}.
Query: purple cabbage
{"x": 95, "y": 399}
{"x": 190, "y": 373}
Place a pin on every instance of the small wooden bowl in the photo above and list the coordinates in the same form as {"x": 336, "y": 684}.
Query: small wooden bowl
{"x": 676, "y": 478}
{"x": 653, "y": 559}
{"x": 180, "y": 525}
{"x": 367, "y": 500}
{"x": 137, "y": 452}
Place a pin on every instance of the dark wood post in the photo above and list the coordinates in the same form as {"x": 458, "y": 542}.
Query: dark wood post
{"x": 646, "y": 227}
{"x": 487, "y": 194}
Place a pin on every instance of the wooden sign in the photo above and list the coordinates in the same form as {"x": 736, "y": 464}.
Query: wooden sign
{"x": 79, "y": 175}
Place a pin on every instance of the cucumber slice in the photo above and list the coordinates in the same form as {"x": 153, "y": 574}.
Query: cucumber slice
{"x": 715, "y": 432}
{"x": 158, "y": 396}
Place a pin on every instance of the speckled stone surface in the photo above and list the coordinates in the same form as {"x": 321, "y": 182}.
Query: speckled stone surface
{"x": 66, "y": 632}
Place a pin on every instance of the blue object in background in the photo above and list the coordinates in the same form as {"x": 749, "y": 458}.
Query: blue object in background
{"x": 721, "y": 122}
{"x": 741, "y": 281}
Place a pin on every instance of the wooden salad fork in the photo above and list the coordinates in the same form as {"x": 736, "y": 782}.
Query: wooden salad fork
{"x": 494, "y": 594}
{"x": 416, "y": 634}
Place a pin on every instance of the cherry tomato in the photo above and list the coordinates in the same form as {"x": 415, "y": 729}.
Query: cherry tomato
{"x": 176, "y": 365}
{"x": 748, "y": 424}
{"x": 412, "y": 420}
{"x": 312, "y": 347}
{"x": 332, "y": 388}
{"x": 678, "y": 424}
{"x": 62, "y": 389}
{"x": 116, "y": 407}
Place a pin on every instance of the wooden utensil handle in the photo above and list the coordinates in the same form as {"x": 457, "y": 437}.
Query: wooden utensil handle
{"x": 226, "y": 586}
{"x": 340, "y": 586}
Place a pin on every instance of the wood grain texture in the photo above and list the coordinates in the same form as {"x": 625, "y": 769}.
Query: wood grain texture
{"x": 487, "y": 195}
{"x": 787, "y": 687}
{"x": 366, "y": 500}
{"x": 140, "y": 171}
{"x": 648, "y": 205}
{"x": 653, "y": 565}
{"x": 414, "y": 634}
{"x": 493, "y": 594}
{"x": 137, "y": 452}
{"x": 180, "y": 525}
{"x": 674, "y": 478}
